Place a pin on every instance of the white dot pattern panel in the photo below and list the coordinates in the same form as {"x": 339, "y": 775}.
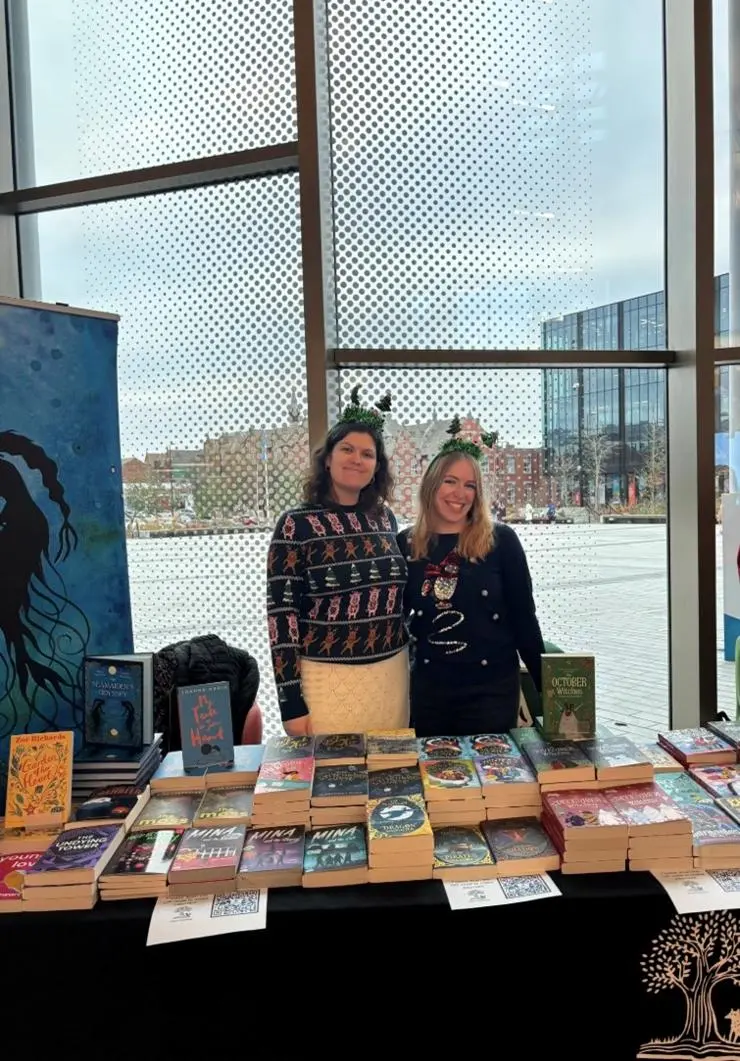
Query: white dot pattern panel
{"x": 598, "y": 588}
{"x": 462, "y": 169}
{"x": 158, "y": 81}
{"x": 212, "y": 392}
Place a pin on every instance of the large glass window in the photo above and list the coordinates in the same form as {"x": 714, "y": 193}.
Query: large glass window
{"x": 109, "y": 85}
{"x": 600, "y": 572}
{"x": 212, "y": 391}
{"x": 496, "y": 164}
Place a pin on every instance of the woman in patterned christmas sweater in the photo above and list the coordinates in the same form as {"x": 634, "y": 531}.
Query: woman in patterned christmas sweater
{"x": 335, "y": 582}
{"x": 469, "y": 602}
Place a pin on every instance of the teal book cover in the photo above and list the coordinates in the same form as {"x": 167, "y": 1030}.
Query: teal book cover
{"x": 338, "y": 847}
{"x": 205, "y": 725}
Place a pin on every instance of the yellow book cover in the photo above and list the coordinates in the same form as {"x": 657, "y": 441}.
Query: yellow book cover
{"x": 397, "y": 816}
{"x": 39, "y": 780}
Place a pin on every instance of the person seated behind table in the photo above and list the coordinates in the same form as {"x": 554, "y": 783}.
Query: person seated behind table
{"x": 468, "y": 600}
{"x": 335, "y": 589}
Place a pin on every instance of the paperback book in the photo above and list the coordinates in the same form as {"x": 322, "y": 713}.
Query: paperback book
{"x": 205, "y": 725}
{"x": 77, "y": 856}
{"x": 119, "y": 700}
{"x": 568, "y": 696}
{"x": 396, "y": 781}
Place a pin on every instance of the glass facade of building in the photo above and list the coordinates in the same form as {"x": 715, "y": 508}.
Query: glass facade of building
{"x": 604, "y": 429}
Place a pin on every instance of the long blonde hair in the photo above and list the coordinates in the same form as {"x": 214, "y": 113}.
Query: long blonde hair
{"x": 476, "y": 539}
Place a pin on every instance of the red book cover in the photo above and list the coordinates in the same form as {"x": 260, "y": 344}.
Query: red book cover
{"x": 719, "y": 781}
{"x": 644, "y": 805}
{"x": 579, "y": 812}
{"x": 287, "y": 775}
{"x": 212, "y": 853}
{"x": 12, "y": 869}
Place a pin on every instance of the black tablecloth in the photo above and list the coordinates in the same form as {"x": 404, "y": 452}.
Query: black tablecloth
{"x": 336, "y": 970}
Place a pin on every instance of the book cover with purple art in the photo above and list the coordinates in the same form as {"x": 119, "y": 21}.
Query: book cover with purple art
{"x": 267, "y": 850}
{"x": 77, "y": 849}
{"x": 504, "y": 770}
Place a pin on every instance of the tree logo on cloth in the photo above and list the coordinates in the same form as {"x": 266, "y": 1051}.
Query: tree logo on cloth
{"x": 697, "y": 957}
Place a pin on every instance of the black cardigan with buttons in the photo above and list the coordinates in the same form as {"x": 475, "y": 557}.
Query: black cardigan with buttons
{"x": 492, "y": 614}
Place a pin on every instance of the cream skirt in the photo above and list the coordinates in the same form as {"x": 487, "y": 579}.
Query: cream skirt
{"x": 342, "y": 698}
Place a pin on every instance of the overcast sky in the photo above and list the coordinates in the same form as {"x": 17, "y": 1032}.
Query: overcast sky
{"x": 493, "y": 167}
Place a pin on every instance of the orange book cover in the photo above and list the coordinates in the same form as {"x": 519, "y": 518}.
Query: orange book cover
{"x": 39, "y": 780}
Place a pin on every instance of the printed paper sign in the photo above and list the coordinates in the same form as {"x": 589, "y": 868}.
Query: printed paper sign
{"x": 695, "y": 891}
{"x": 195, "y": 916}
{"x": 470, "y": 894}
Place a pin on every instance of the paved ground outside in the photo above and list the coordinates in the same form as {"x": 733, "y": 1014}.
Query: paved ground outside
{"x": 600, "y": 589}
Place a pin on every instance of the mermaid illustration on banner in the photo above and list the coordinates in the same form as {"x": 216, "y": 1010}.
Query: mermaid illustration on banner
{"x": 43, "y": 634}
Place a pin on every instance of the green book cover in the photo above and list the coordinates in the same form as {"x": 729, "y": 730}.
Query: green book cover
{"x": 568, "y": 697}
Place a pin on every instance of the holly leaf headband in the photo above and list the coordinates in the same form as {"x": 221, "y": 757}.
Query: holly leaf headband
{"x": 355, "y": 413}
{"x": 469, "y": 447}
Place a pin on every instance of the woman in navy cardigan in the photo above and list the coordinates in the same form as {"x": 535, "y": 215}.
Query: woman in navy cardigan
{"x": 468, "y": 603}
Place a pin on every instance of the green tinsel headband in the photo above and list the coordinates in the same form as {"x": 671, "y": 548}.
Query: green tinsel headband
{"x": 469, "y": 448}
{"x": 354, "y": 413}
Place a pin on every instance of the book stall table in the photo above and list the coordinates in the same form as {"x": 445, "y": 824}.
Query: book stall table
{"x": 558, "y": 978}
{"x": 606, "y": 969}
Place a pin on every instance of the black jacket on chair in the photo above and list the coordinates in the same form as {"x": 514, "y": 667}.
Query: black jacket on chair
{"x": 197, "y": 662}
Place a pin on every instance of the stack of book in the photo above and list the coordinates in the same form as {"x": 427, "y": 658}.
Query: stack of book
{"x": 683, "y": 789}
{"x": 520, "y": 847}
{"x": 558, "y": 766}
{"x": 716, "y": 837}
{"x": 20, "y": 841}
{"x": 437, "y": 748}
{"x": 13, "y": 868}
{"x": 398, "y": 781}
{"x": 339, "y": 795}
{"x": 120, "y": 745}
{"x": 66, "y": 875}
{"x": 391, "y": 747}
{"x": 400, "y": 839}
{"x": 662, "y": 760}
{"x": 659, "y": 831}
{"x": 713, "y": 825}
{"x": 139, "y": 868}
{"x": 483, "y": 745}
{"x": 96, "y": 767}
{"x": 111, "y": 805}
{"x": 509, "y": 786}
{"x": 169, "y": 810}
{"x": 272, "y": 858}
{"x": 340, "y": 749}
{"x": 335, "y": 856}
{"x": 461, "y": 853}
{"x": 207, "y": 860}
{"x": 282, "y": 794}
{"x": 719, "y": 781}
{"x": 452, "y": 791}
{"x": 225, "y": 806}
{"x": 728, "y": 731}
{"x": 697, "y": 747}
{"x": 589, "y": 834}
{"x": 617, "y": 760}
{"x": 171, "y": 775}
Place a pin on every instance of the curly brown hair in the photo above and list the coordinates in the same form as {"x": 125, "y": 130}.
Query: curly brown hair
{"x": 317, "y": 485}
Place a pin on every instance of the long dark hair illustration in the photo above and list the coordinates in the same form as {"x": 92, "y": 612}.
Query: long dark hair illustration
{"x": 45, "y": 633}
